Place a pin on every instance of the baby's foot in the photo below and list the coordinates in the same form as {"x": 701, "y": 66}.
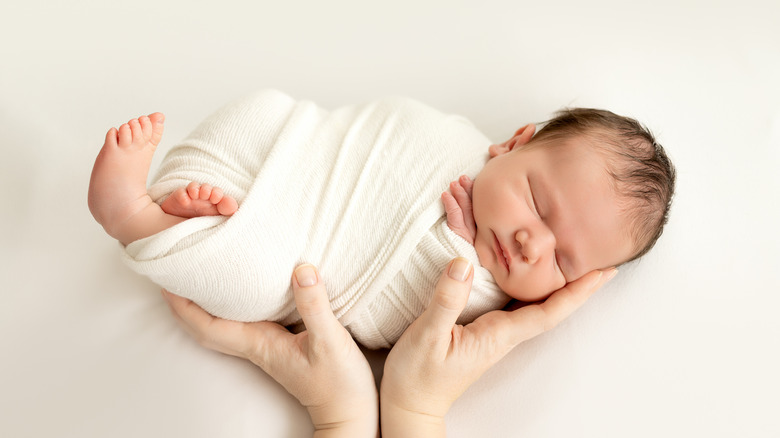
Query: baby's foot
{"x": 117, "y": 188}
{"x": 199, "y": 200}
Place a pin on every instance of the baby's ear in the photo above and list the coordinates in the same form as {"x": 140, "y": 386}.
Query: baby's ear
{"x": 521, "y": 137}
{"x": 524, "y": 134}
{"x": 499, "y": 149}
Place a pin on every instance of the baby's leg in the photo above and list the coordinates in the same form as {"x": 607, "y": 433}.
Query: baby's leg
{"x": 117, "y": 190}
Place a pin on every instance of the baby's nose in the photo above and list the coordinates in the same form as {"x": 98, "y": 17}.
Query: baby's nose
{"x": 528, "y": 247}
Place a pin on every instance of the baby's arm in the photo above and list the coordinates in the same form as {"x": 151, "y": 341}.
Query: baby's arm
{"x": 457, "y": 205}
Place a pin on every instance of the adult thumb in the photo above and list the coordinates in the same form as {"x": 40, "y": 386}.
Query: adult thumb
{"x": 449, "y": 299}
{"x": 311, "y": 299}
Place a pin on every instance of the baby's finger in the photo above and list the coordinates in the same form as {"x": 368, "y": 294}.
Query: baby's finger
{"x": 311, "y": 298}
{"x": 463, "y": 196}
{"x": 460, "y": 195}
{"x": 467, "y": 184}
{"x": 453, "y": 211}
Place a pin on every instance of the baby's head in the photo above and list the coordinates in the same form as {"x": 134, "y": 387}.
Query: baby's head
{"x": 590, "y": 190}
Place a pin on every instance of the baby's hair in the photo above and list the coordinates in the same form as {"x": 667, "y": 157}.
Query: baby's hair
{"x": 641, "y": 171}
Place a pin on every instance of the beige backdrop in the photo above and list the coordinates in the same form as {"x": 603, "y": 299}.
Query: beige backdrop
{"x": 683, "y": 343}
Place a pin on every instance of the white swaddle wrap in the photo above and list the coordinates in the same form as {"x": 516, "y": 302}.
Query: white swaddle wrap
{"x": 354, "y": 191}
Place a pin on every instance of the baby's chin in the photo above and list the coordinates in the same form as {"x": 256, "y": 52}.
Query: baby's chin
{"x": 524, "y": 294}
{"x": 528, "y": 297}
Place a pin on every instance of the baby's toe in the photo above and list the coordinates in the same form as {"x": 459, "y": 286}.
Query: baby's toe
{"x": 125, "y": 136}
{"x": 111, "y": 137}
{"x": 182, "y": 197}
{"x": 193, "y": 189}
{"x": 205, "y": 191}
{"x": 135, "y": 130}
{"x": 146, "y": 127}
{"x": 157, "y": 120}
{"x": 227, "y": 206}
{"x": 216, "y": 195}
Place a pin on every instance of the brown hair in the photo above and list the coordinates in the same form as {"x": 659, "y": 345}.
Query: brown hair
{"x": 641, "y": 171}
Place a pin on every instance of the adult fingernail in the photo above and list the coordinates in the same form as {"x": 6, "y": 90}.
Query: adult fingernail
{"x": 610, "y": 274}
{"x": 306, "y": 275}
{"x": 460, "y": 269}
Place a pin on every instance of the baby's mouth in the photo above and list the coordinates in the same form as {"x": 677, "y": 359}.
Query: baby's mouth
{"x": 501, "y": 253}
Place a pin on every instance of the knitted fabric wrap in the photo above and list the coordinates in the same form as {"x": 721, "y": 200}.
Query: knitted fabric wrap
{"x": 354, "y": 191}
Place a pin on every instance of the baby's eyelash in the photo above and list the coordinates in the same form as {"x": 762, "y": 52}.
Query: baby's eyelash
{"x": 533, "y": 199}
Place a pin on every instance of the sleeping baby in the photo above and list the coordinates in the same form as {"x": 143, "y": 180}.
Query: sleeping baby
{"x": 268, "y": 182}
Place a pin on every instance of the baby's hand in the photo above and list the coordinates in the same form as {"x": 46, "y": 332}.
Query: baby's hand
{"x": 460, "y": 216}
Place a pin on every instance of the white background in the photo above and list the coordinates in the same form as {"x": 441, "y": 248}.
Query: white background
{"x": 684, "y": 343}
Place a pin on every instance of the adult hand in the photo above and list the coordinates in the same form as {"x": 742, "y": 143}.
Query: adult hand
{"x": 322, "y": 367}
{"x": 436, "y": 360}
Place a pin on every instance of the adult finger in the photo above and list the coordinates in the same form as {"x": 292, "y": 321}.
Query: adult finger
{"x": 193, "y": 319}
{"x": 169, "y": 299}
{"x": 229, "y": 337}
{"x": 449, "y": 300}
{"x": 187, "y": 312}
{"x": 311, "y": 298}
{"x": 527, "y": 322}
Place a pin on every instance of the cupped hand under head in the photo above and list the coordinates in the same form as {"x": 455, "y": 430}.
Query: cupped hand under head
{"x": 322, "y": 366}
{"x": 436, "y": 360}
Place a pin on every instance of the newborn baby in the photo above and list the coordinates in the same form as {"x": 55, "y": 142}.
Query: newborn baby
{"x": 269, "y": 182}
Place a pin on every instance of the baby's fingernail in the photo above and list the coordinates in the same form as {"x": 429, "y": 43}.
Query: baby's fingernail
{"x": 460, "y": 269}
{"x": 306, "y": 275}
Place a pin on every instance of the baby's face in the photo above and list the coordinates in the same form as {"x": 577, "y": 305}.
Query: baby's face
{"x": 546, "y": 215}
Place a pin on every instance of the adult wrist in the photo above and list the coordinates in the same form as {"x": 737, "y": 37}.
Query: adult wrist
{"x": 397, "y": 421}
{"x": 353, "y": 428}
{"x": 346, "y": 420}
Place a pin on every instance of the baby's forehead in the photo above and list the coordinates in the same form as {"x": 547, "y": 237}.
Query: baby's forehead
{"x": 577, "y": 151}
